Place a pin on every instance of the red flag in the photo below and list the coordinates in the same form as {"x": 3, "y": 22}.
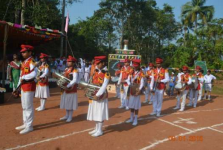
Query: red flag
{"x": 67, "y": 22}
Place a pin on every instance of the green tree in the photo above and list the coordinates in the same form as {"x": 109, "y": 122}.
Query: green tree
{"x": 194, "y": 11}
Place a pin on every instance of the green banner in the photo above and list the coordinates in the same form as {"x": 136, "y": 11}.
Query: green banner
{"x": 202, "y": 64}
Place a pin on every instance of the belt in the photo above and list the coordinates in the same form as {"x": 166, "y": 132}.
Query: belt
{"x": 28, "y": 81}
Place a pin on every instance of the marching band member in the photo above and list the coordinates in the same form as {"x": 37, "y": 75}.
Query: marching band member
{"x": 201, "y": 85}
{"x": 208, "y": 78}
{"x": 87, "y": 72}
{"x": 148, "y": 94}
{"x": 134, "y": 100}
{"x": 160, "y": 76}
{"x": 185, "y": 79}
{"x": 194, "y": 92}
{"x": 98, "y": 107}
{"x": 125, "y": 71}
{"x": 69, "y": 95}
{"x": 81, "y": 70}
{"x": 28, "y": 86}
{"x": 42, "y": 86}
{"x": 117, "y": 74}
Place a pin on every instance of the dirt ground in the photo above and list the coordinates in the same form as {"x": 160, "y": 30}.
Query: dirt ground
{"x": 198, "y": 128}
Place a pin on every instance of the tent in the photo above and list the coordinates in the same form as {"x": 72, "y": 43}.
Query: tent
{"x": 13, "y": 35}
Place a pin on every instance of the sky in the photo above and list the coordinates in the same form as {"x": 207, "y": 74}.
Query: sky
{"x": 80, "y": 11}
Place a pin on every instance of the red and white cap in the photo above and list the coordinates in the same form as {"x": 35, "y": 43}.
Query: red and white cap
{"x": 98, "y": 59}
{"x": 159, "y": 60}
{"x": 71, "y": 59}
{"x": 26, "y": 48}
{"x": 42, "y": 55}
{"x": 136, "y": 62}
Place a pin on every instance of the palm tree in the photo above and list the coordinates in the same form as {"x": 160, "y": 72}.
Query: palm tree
{"x": 195, "y": 10}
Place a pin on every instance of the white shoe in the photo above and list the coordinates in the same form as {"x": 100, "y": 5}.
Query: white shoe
{"x": 135, "y": 123}
{"x": 26, "y": 130}
{"x": 41, "y": 109}
{"x": 64, "y": 118}
{"x": 97, "y": 134}
{"x": 92, "y": 132}
{"x": 189, "y": 105}
{"x": 145, "y": 102}
{"x": 121, "y": 107}
{"x": 150, "y": 103}
{"x": 175, "y": 108}
{"x": 181, "y": 110}
{"x": 37, "y": 108}
{"x": 158, "y": 115}
{"x": 20, "y": 127}
{"x": 126, "y": 108}
{"x": 129, "y": 121}
{"x": 153, "y": 113}
{"x": 195, "y": 106}
{"x": 69, "y": 120}
{"x": 209, "y": 99}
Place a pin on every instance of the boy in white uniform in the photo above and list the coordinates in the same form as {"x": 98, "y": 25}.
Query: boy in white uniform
{"x": 208, "y": 79}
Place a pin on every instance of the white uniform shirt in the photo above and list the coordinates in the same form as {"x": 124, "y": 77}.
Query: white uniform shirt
{"x": 209, "y": 78}
{"x": 45, "y": 71}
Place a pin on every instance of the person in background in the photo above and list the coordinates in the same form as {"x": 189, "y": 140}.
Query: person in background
{"x": 148, "y": 94}
{"x": 208, "y": 79}
{"x": 194, "y": 92}
{"x": 124, "y": 87}
{"x": 117, "y": 74}
{"x": 87, "y": 72}
{"x": 171, "y": 84}
{"x": 14, "y": 72}
{"x": 201, "y": 85}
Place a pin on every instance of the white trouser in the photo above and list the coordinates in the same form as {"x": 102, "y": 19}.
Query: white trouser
{"x": 117, "y": 88}
{"x": 27, "y": 106}
{"x": 124, "y": 100}
{"x": 148, "y": 93}
{"x": 157, "y": 101}
{"x": 184, "y": 96}
{"x": 200, "y": 91}
{"x": 193, "y": 97}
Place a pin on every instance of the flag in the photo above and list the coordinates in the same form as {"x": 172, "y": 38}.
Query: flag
{"x": 67, "y": 22}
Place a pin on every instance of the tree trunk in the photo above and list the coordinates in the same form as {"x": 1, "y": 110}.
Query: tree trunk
{"x": 17, "y": 14}
{"x": 23, "y": 12}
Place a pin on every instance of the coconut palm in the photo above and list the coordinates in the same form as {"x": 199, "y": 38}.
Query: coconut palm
{"x": 195, "y": 10}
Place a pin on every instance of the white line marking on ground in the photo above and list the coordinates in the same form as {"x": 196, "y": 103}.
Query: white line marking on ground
{"x": 174, "y": 124}
{"x": 216, "y": 130}
{"x": 181, "y": 134}
{"x": 57, "y": 137}
{"x": 187, "y": 121}
{"x": 187, "y": 112}
{"x": 77, "y": 132}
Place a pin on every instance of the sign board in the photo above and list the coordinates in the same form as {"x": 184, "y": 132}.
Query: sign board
{"x": 111, "y": 88}
{"x": 202, "y": 64}
{"x": 114, "y": 59}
